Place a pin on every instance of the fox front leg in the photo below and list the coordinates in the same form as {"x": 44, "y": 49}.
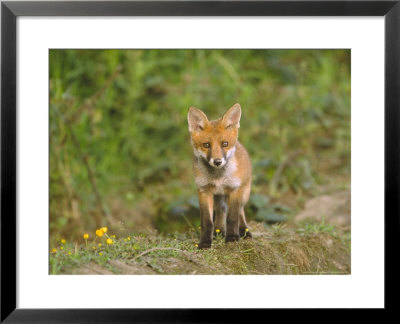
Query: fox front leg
{"x": 206, "y": 204}
{"x": 232, "y": 221}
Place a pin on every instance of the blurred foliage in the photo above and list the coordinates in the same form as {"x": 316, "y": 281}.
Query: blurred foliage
{"x": 120, "y": 153}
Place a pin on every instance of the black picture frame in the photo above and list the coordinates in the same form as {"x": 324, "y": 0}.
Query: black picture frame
{"x": 10, "y": 10}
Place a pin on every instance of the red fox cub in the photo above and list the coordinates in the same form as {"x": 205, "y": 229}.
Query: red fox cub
{"x": 222, "y": 171}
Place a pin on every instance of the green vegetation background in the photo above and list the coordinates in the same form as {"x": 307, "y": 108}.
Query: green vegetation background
{"x": 120, "y": 153}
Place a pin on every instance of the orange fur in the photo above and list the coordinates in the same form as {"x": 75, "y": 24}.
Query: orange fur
{"x": 222, "y": 170}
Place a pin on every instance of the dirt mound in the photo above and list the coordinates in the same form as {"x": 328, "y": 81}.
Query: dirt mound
{"x": 273, "y": 250}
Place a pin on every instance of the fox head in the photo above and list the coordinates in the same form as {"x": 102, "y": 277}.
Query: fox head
{"x": 215, "y": 140}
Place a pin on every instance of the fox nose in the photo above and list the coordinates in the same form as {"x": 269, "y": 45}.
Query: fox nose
{"x": 217, "y": 162}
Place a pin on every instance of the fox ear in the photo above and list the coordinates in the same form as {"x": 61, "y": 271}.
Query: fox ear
{"x": 197, "y": 120}
{"x": 231, "y": 118}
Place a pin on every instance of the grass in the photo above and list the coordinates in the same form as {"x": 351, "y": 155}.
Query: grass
{"x": 315, "y": 227}
{"x": 278, "y": 249}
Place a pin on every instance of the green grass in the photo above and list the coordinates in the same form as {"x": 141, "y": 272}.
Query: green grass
{"x": 274, "y": 250}
{"x": 318, "y": 227}
{"x": 313, "y": 228}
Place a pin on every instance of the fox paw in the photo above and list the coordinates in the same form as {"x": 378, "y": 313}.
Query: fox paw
{"x": 248, "y": 236}
{"x": 204, "y": 245}
{"x": 245, "y": 233}
{"x": 232, "y": 238}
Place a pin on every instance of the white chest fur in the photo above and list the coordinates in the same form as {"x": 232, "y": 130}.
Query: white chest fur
{"x": 219, "y": 182}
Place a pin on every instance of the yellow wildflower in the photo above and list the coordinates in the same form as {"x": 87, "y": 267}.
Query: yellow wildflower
{"x": 113, "y": 236}
{"x": 109, "y": 241}
{"x": 99, "y": 244}
{"x": 54, "y": 250}
{"x": 94, "y": 248}
{"x": 85, "y": 236}
{"x": 63, "y": 241}
{"x": 100, "y": 253}
{"x": 196, "y": 245}
{"x": 61, "y": 248}
{"x": 217, "y": 230}
{"x": 247, "y": 229}
{"x": 105, "y": 229}
{"x": 128, "y": 238}
{"x": 100, "y": 232}
{"x": 69, "y": 253}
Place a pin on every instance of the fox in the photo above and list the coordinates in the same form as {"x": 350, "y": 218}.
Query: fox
{"x": 222, "y": 172}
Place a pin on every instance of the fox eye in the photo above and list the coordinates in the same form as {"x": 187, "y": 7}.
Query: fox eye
{"x": 206, "y": 145}
{"x": 224, "y": 144}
